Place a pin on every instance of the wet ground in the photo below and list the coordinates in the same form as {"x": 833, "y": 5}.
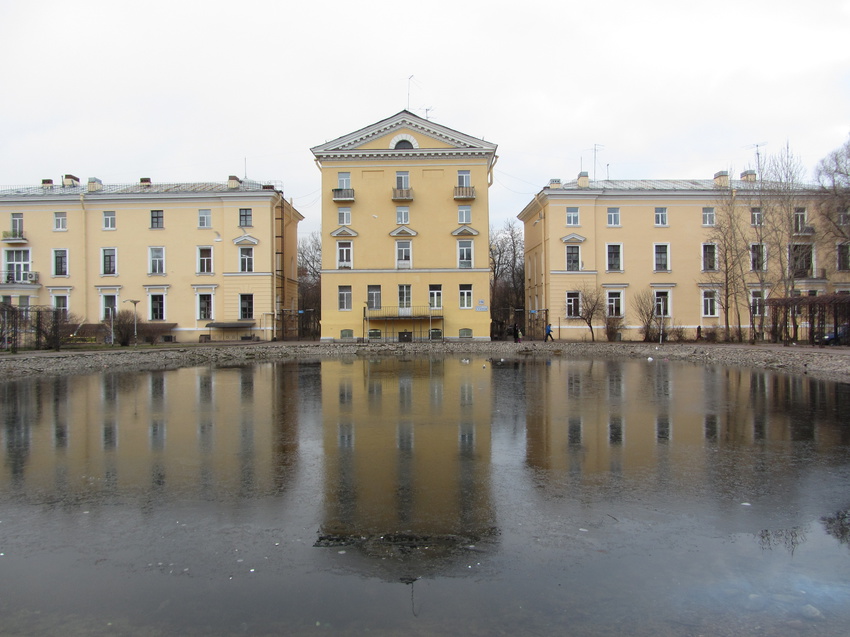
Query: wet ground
{"x": 427, "y": 497}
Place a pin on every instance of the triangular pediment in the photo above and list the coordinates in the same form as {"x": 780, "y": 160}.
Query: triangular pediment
{"x": 343, "y": 231}
{"x": 423, "y": 137}
{"x": 573, "y": 238}
{"x": 246, "y": 240}
{"x": 465, "y": 231}
{"x": 403, "y": 231}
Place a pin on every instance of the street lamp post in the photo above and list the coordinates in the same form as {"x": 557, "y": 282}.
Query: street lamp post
{"x": 135, "y": 302}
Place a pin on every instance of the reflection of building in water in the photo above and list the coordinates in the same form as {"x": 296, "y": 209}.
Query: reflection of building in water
{"x": 215, "y": 432}
{"x": 589, "y": 417}
{"x": 407, "y": 447}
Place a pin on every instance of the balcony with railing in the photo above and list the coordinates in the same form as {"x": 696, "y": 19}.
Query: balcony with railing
{"x": 402, "y": 194}
{"x": 464, "y": 192}
{"x": 14, "y": 236}
{"x": 804, "y": 272}
{"x": 343, "y": 194}
{"x": 18, "y": 277}
{"x": 399, "y": 312}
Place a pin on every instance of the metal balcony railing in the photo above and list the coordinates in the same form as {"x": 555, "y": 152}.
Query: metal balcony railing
{"x": 403, "y": 312}
{"x": 14, "y": 236}
{"x": 343, "y": 194}
{"x": 18, "y": 276}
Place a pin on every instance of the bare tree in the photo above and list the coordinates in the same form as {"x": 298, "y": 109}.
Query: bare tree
{"x": 643, "y": 304}
{"x": 591, "y": 305}
{"x": 507, "y": 272}
{"x": 310, "y": 283}
{"x": 833, "y": 175}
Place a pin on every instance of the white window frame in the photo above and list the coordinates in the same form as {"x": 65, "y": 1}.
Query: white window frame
{"x": 435, "y": 296}
{"x": 756, "y": 217}
{"x": 845, "y": 261}
{"x": 757, "y": 302}
{"x": 465, "y": 296}
{"x": 402, "y": 215}
{"x": 608, "y": 267}
{"x": 405, "y": 296}
{"x": 709, "y": 217}
{"x": 156, "y": 264}
{"x": 404, "y": 247}
{"x": 402, "y": 180}
{"x": 464, "y": 214}
{"x": 206, "y": 292}
{"x": 661, "y": 216}
{"x": 709, "y": 304}
{"x": 201, "y": 259}
{"x": 614, "y": 300}
{"x": 373, "y": 297}
{"x": 54, "y": 254}
{"x": 465, "y": 247}
{"x": 60, "y": 221}
{"x": 705, "y": 264}
{"x": 17, "y": 224}
{"x": 246, "y": 259}
{"x": 464, "y": 179}
{"x": 573, "y": 218}
{"x": 663, "y": 299}
{"x": 613, "y": 217}
{"x": 204, "y": 218}
{"x": 343, "y": 181}
{"x": 801, "y": 219}
{"x": 666, "y": 247}
{"x": 109, "y": 220}
{"x": 572, "y": 302}
{"x": 344, "y": 249}
{"x": 103, "y": 271}
{"x": 344, "y": 298}
{"x": 762, "y": 248}
{"x": 105, "y": 306}
{"x": 244, "y": 299}
{"x": 576, "y": 249}
{"x": 151, "y": 295}
{"x": 343, "y": 216}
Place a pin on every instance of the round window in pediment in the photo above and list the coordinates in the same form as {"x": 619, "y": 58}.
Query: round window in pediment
{"x": 402, "y": 144}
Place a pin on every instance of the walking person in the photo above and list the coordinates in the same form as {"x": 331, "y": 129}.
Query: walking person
{"x": 516, "y": 333}
{"x": 549, "y": 333}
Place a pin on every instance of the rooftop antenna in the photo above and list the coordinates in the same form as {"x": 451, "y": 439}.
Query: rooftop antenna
{"x": 245, "y": 160}
{"x": 408, "y": 92}
{"x": 596, "y": 147}
{"x": 758, "y": 146}
{"x": 427, "y": 110}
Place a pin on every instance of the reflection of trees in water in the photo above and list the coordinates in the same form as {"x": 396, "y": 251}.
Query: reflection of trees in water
{"x": 789, "y": 538}
{"x": 838, "y": 526}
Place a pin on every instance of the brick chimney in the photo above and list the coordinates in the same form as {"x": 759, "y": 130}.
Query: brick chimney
{"x": 233, "y": 182}
{"x": 721, "y": 179}
{"x": 748, "y": 175}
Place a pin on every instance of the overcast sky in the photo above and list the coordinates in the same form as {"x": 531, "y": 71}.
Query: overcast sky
{"x": 196, "y": 91}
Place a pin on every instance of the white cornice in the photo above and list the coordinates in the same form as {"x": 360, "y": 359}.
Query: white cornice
{"x": 344, "y": 231}
{"x": 403, "y": 231}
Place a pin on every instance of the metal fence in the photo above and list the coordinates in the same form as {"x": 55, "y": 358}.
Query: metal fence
{"x": 33, "y": 327}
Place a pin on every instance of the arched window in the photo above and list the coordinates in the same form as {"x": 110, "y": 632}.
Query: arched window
{"x": 402, "y": 144}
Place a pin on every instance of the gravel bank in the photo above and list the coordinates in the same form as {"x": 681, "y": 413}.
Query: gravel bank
{"x": 827, "y": 363}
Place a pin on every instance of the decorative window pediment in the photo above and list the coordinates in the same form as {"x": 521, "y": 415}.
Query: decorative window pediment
{"x": 465, "y": 231}
{"x": 573, "y": 238}
{"x": 344, "y": 231}
{"x": 246, "y": 240}
{"x": 403, "y": 231}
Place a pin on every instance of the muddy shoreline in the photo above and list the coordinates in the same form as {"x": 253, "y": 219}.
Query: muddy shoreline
{"x": 831, "y": 363}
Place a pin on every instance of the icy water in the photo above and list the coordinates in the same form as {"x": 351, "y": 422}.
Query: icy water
{"x": 426, "y": 497}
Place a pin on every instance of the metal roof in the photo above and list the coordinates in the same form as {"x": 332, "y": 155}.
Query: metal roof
{"x": 664, "y": 185}
{"x": 58, "y": 190}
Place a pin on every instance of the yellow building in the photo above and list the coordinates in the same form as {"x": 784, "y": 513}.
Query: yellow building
{"x": 199, "y": 260}
{"x": 405, "y": 232}
{"x": 696, "y": 251}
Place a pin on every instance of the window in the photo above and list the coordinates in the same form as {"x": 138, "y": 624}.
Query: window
{"x": 60, "y": 303}
{"x": 709, "y": 257}
{"x": 615, "y": 257}
{"x": 661, "y": 216}
{"x": 157, "y": 307}
{"x": 709, "y": 303}
{"x": 17, "y": 266}
{"x": 800, "y": 260}
{"x": 373, "y": 297}
{"x": 757, "y": 303}
{"x": 246, "y": 259}
{"x": 800, "y": 220}
{"x": 245, "y": 217}
{"x": 17, "y": 224}
{"x": 435, "y": 297}
{"x": 613, "y": 216}
{"x": 464, "y": 253}
{"x": 205, "y": 307}
{"x": 615, "y": 303}
{"x": 843, "y": 218}
{"x": 662, "y": 257}
{"x": 573, "y": 304}
{"x": 464, "y": 214}
{"x": 205, "y": 260}
{"x": 60, "y": 221}
{"x": 402, "y": 180}
{"x": 156, "y": 260}
{"x": 60, "y": 262}
{"x": 110, "y": 301}
{"x": 205, "y": 218}
{"x": 662, "y": 303}
{"x": 844, "y": 256}
{"x": 708, "y": 216}
{"x": 109, "y": 220}
{"x": 402, "y": 215}
{"x": 758, "y": 260}
{"x": 573, "y": 259}
{"x": 343, "y": 180}
{"x": 403, "y": 254}
{"x": 343, "y": 254}
{"x": 157, "y": 219}
{"x": 464, "y": 179}
{"x": 344, "y": 297}
{"x": 246, "y": 306}
{"x": 344, "y": 216}
{"x": 405, "y": 296}
{"x": 572, "y": 216}
{"x": 756, "y": 217}
{"x": 109, "y": 261}
{"x": 465, "y": 296}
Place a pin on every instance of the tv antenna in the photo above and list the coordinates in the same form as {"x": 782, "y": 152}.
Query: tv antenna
{"x": 757, "y": 146}
{"x": 408, "y": 91}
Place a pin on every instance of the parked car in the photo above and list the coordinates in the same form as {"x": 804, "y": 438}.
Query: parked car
{"x": 836, "y": 338}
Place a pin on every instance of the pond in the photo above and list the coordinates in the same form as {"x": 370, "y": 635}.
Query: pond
{"x": 427, "y": 496}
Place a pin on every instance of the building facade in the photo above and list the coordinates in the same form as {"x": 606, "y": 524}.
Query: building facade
{"x": 405, "y": 232}
{"x": 689, "y": 257}
{"x": 200, "y": 261}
